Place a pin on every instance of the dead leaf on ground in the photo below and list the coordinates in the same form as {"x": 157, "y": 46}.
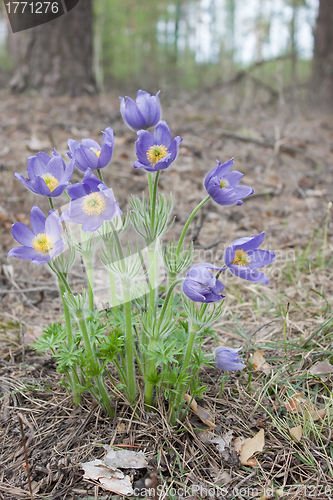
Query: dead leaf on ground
{"x": 107, "y": 473}
{"x": 299, "y": 404}
{"x": 199, "y": 411}
{"x": 296, "y": 432}
{"x": 259, "y": 363}
{"x": 109, "y": 478}
{"x": 223, "y": 441}
{"x": 125, "y": 459}
{"x": 321, "y": 368}
{"x": 238, "y": 443}
{"x": 251, "y": 446}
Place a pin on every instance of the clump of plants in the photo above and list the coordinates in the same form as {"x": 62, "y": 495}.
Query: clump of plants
{"x": 150, "y": 334}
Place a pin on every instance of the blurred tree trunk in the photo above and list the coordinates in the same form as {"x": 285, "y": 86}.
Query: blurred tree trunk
{"x": 322, "y": 77}
{"x": 57, "y": 57}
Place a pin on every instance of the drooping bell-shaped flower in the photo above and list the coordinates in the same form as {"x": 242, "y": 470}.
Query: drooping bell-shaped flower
{"x": 201, "y": 286}
{"x": 228, "y": 359}
{"x": 223, "y": 187}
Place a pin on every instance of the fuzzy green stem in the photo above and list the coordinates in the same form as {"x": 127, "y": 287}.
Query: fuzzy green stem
{"x": 131, "y": 383}
{"x": 102, "y": 391}
{"x": 51, "y": 203}
{"x": 113, "y": 292}
{"x": 100, "y": 175}
{"x": 149, "y": 387}
{"x": 166, "y": 302}
{"x": 153, "y": 201}
{"x": 181, "y": 389}
{"x": 150, "y": 184}
{"x": 182, "y": 236}
{"x": 74, "y": 379}
{"x": 89, "y": 271}
{"x": 224, "y": 379}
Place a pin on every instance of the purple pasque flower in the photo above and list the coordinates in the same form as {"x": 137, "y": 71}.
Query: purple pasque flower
{"x": 89, "y": 154}
{"x": 42, "y": 243}
{"x": 244, "y": 259}
{"x": 158, "y": 151}
{"x": 92, "y": 202}
{"x": 201, "y": 286}
{"x": 47, "y": 176}
{"x": 222, "y": 185}
{"x": 228, "y": 359}
{"x": 144, "y": 113}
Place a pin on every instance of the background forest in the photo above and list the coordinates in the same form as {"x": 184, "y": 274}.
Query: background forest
{"x": 185, "y": 43}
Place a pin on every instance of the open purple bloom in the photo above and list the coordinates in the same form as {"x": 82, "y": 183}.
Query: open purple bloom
{"x": 158, "y": 151}
{"x": 201, "y": 286}
{"x": 47, "y": 176}
{"x": 222, "y": 185}
{"x": 144, "y": 113}
{"x": 92, "y": 202}
{"x": 43, "y": 242}
{"x": 89, "y": 154}
{"x": 228, "y": 359}
{"x": 244, "y": 259}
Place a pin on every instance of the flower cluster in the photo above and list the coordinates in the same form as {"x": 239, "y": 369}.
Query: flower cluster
{"x": 91, "y": 205}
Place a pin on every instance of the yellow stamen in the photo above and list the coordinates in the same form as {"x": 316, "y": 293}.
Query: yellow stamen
{"x": 42, "y": 243}
{"x": 223, "y": 183}
{"x": 96, "y": 151}
{"x": 94, "y": 204}
{"x": 241, "y": 258}
{"x": 50, "y": 181}
{"x": 156, "y": 153}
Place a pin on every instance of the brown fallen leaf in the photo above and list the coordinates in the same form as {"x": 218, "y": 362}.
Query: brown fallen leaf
{"x": 125, "y": 459}
{"x": 204, "y": 416}
{"x": 321, "y": 368}
{"x": 296, "y": 432}
{"x": 299, "y": 404}
{"x": 251, "y": 446}
{"x": 238, "y": 443}
{"x": 293, "y": 403}
{"x": 259, "y": 363}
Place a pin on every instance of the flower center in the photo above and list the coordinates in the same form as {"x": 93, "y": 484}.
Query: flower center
{"x": 223, "y": 183}
{"x": 42, "y": 243}
{"x": 241, "y": 258}
{"x": 94, "y": 204}
{"x": 96, "y": 151}
{"x": 50, "y": 181}
{"x": 156, "y": 153}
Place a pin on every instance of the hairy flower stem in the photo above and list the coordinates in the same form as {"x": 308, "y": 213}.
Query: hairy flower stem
{"x": 113, "y": 293}
{"x": 72, "y": 376}
{"x": 166, "y": 302}
{"x": 153, "y": 202}
{"x": 100, "y": 175}
{"x": 151, "y": 365}
{"x": 152, "y": 260}
{"x": 181, "y": 389}
{"x": 131, "y": 383}
{"x": 182, "y": 236}
{"x": 89, "y": 271}
{"x": 51, "y": 203}
{"x": 98, "y": 379}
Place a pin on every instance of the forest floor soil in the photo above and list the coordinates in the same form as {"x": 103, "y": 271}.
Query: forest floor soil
{"x": 286, "y": 155}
